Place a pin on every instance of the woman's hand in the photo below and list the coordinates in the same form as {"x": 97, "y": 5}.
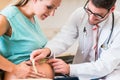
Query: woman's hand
{"x": 40, "y": 54}
{"x": 59, "y": 66}
{"x": 25, "y": 70}
{"x": 21, "y": 70}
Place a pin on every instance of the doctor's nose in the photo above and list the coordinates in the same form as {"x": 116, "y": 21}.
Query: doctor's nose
{"x": 92, "y": 17}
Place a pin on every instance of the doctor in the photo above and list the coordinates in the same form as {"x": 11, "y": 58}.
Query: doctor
{"x": 97, "y": 28}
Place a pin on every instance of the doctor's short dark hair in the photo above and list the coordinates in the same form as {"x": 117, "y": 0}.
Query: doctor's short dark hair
{"x": 106, "y": 4}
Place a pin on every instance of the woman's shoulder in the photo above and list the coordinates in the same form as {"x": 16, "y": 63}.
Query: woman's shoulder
{"x": 9, "y": 11}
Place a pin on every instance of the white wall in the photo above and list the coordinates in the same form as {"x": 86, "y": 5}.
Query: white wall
{"x": 64, "y": 11}
{"x": 4, "y": 3}
{"x": 53, "y": 24}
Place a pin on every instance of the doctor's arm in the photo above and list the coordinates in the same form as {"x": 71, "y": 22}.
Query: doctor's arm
{"x": 89, "y": 70}
{"x": 107, "y": 63}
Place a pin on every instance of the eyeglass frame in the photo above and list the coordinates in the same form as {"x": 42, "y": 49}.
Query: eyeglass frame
{"x": 95, "y": 14}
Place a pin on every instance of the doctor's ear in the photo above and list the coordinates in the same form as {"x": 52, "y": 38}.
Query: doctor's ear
{"x": 112, "y": 9}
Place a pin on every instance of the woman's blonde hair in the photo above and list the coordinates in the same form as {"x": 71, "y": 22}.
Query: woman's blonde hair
{"x": 20, "y": 2}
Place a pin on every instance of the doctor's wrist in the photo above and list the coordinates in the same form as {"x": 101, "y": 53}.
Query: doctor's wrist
{"x": 68, "y": 69}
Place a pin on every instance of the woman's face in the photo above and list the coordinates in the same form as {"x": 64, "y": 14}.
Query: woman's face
{"x": 45, "y": 8}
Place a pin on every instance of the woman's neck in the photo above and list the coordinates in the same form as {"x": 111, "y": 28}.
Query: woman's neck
{"x": 27, "y": 11}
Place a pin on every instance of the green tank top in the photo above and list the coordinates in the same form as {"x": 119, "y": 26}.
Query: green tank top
{"x": 26, "y": 36}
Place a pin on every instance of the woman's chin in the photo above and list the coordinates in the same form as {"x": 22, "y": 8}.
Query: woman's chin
{"x": 43, "y": 18}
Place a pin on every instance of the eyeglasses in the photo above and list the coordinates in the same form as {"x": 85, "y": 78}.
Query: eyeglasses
{"x": 98, "y": 16}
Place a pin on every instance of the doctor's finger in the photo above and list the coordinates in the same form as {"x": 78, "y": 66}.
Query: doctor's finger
{"x": 33, "y": 55}
{"x": 36, "y": 55}
{"x": 58, "y": 67}
{"x": 54, "y": 60}
{"x": 61, "y": 70}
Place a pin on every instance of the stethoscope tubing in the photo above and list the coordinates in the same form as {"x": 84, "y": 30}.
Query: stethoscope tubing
{"x": 111, "y": 29}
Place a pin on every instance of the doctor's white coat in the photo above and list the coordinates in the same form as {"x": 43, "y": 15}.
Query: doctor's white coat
{"x": 84, "y": 65}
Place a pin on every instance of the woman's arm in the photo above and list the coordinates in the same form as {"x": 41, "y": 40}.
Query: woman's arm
{"x": 44, "y": 70}
{"x": 22, "y": 70}
{"x": 6, "y": 65}
{"x": 4, "y": 25}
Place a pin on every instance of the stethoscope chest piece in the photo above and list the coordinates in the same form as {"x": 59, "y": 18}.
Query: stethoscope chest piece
{"x": 104, "y": 46}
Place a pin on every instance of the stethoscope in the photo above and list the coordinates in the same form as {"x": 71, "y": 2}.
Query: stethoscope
{"x": 105, "y": 45}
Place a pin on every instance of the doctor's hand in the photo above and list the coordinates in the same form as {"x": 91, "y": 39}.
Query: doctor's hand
{"x": 59, "y": 66}
{"x": 40, "y": 54}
